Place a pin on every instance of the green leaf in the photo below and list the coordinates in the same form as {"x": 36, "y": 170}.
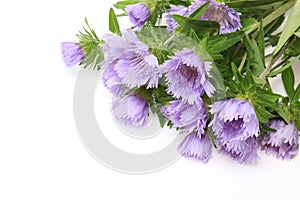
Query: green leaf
{"x": 269, "y": 95}
{"x": 296, "y": 96}
{"x": 254, "y": 56}
{"x": 247, "y": 23}
{"x": 266, "y": 98}
{"x": 194, "y": 37}
{"x": 88, "y": 39}
{"x": 282, "y": 114}
{"x": 161, "y": 96}
{"x": 288, "y": 79}
{"x": 199, "y": 26}
{"x": 181, "y": 2}
{"x": 264, "y": 129}
{"x": 294, "y": 48}
{"x": 273, "y": 40}
{"x": 162, "y": 119}
{"x": 222, "y": 42}
{"x": 275, "y": 25}
{"x": 93, "y": 59}
{"x": 199, "y": 12}
{"x": 113, "y": 22}
{"x": 261, "y": 42}
{"x": 295, "y": 112}
{"x": 122, "y": 4}
{"x": 259, "y": 81}
{"x": 249, "y": 3}
{"x": 286, "y": 66}
{"x": 262, "y": 114}
{"x": 297, "y": 33}
{"x": 249, "y": 81}
{"x": 236, "y": 73}
{"x": 290, "y": 27}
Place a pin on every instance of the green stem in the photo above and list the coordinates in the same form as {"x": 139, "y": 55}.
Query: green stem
{"x": 243, "y": 61}
{"x": 169, "y": 40}
{"x": 281, "y": 63}
{"x": 268, "y": 69}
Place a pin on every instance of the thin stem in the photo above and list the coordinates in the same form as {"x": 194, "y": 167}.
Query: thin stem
{"x": 239, "y": 46}
{"x": 243, "y": 61}
{"x": 168, "y": 41}
{"x": 268, "y": 69}
{"x": 281, "y": 63}
{"x": 264, "y": 74}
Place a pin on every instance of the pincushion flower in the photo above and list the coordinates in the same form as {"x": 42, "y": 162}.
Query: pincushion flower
{"x": 284, "y": 143}
{"x": 131, "y": 110}
{"x": 138, "y": 14}
{"x": 196, "y": 146}
{"x": 247, "y": 153}
{"x": 188, "y": 76}
{"x": 113, "y": 82}
{"x": 236, "y": 127}
{"x": 228, "y": 18}
{"x": 72, "y": 53}
{"x": 190, "y": 118}
{"x": 179, "y": 10}
{"x": 129, "y": 62}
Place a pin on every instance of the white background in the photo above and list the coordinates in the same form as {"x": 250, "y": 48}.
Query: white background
{"x": 41, "y": 156}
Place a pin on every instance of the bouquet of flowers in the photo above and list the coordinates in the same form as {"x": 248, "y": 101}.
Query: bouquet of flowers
{"x": 203, "y": 67}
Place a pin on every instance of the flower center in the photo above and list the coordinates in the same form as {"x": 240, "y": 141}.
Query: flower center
{"x": 189, "y": 73}
{"x": 234, "y": 126}
{"x": 215, "y": 13}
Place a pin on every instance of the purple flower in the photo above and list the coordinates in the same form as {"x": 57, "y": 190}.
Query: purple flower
{"x": 191, "y": 118}
{"x": 195, "y": 146}
{"x": 228, "y": 18}
{"x": 179, "y": 10}
{"x": 247, "y": 154}
{"x": 113, "y": 82}
{"x": 236, "y": 127}
{"x": 72, "y": 53}
{"x": 284, "y": 143}
{"x": 131, "y": 110}
{"x": 128, "y": 63}
{"x": 138, "y": 14}
{"x": 196, "y": 4}
{"x": 187, "y": 76}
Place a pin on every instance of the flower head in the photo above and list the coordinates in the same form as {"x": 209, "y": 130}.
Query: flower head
{"x": 72, "y": 53}
{"x": 247, "y": 154}
{"x": 284, "y": 143}
{"x": 128, "y": 62}
{"x": 236, "y": 127}
{"x": 195, "y": 146}
{"x": 131, "y": 110}
{"x": 191, "y": 118}
{"x": 187, "y": 76}
{"x": 228, "y": 18}
{"x": 113, "y": 82}
{"x": 138, "y": 14}
{"x": 179, "y": 10}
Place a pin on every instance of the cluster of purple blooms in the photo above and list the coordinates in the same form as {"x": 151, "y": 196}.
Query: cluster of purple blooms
{"x": 129, "y": 64}
{"x": 228, "y": 18}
